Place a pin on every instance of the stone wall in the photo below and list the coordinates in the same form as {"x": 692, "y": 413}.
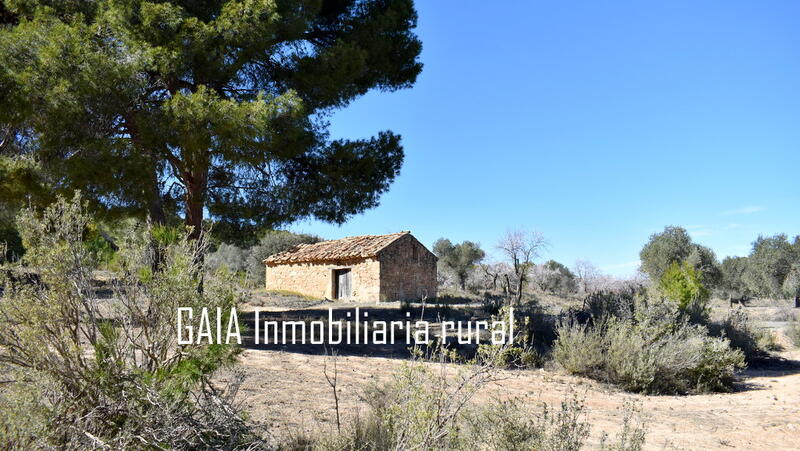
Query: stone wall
{"x": 408, "y": 271}
{"x": 405, "y": 270}
{"x": 316, "y": 279}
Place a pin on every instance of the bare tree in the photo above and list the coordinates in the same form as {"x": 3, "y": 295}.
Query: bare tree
{"x": 587, "y": 275}
{"x": 521, "y": 247}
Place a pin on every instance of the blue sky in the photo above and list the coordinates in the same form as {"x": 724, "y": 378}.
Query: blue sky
{"x": 596, "y": 123}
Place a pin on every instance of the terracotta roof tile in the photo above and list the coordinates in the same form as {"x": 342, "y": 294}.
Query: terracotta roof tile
{"x": 346, "y": 248}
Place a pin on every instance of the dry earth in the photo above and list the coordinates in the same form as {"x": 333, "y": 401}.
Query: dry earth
{"x": 287, "y": 393}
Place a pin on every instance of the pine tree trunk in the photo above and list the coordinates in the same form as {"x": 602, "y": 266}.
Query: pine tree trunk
{"x": 195, "y": 193}
{"x": 194, "y": 199}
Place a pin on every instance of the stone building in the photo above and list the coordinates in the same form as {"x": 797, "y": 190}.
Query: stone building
{"x": 359, "y": 268}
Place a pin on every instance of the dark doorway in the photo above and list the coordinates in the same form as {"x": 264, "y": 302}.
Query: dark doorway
{"x": 342, "y": 283}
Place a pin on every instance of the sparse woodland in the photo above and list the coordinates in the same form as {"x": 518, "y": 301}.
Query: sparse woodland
{"x": 112, "y": 374}
{"x": 151, "y": 156}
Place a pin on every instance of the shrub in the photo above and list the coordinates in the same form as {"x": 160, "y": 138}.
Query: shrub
{"x": 683, "y": 284}
{"x": 509, "y": 357}
{"x": 507, "y": 426}
{"x": 110, "y": 374}
{"x": 633, "y": 433}
{"x": 426, "y": 409}
{"x": 579, "y": 350}
{"x": 602, "y": 304}
{"x": 657, "y": 351}
{"x": 794, "y": 331}
{"x": 743, "y": 335}
{"x": 418, "y": 409}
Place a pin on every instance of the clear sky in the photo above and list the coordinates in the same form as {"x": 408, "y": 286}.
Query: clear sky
{"x": 596, "y": 123}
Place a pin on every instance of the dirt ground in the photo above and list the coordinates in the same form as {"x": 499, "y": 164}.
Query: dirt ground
{"x": 287, "y": 392}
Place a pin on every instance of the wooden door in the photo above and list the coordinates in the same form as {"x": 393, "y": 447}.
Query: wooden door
{"x": 343, "y": 284}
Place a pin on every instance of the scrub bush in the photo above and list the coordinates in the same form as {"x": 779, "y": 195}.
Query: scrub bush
{"x": 656, "y": 351}
{"x": 743, "y": 334}
{"x": 92, "y": 373}
{"x": 794, "y": 331}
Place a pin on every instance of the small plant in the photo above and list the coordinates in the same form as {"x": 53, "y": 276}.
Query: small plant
{"x": 294, "y": 294}
{"x": 632, "y": 435}
{"x": 509, "y": 357}
{"x": 794, "y": 331}
{"x": 508, "y": 426}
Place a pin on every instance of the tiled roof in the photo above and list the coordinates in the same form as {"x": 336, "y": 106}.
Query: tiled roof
{"x": 345, "y": 248}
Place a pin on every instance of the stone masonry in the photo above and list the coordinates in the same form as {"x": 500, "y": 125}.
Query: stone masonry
{"x": 382, "y": 268}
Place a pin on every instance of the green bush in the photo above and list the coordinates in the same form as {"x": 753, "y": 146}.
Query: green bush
{"x": 683, "y": 284}
{"x": 579, "y": 349}
{"x": 657, "y": 351}
{"x": 110, "y": 374}
{"x": 509, "y": 357}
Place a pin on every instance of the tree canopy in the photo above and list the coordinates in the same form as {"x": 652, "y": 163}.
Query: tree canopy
{"x": 770, "y": 263}
{"x": 554, "y": 277}
{"x": 460, "y": 258}
{"x": 733, "y": 269}
{"x": 681, "y": 283}
{"x": 183, "y": 108}
{"x": 675, "y": 245}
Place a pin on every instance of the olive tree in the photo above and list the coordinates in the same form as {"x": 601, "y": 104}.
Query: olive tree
{"x": 460, "y": 258}
{"x": 553, "y": 277}
{"x": 675, "y": 245}
{"x": 769, "y": 264}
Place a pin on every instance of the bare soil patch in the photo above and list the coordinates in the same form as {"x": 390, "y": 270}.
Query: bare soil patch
{"x": 286, "y": 391}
